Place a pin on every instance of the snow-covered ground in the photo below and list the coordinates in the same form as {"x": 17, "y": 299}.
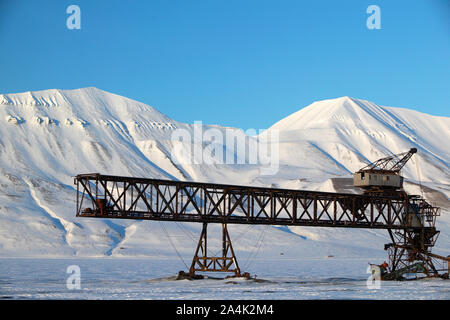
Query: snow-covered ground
{"x": 47, "y": 137}
{"x": 115, "y": 278}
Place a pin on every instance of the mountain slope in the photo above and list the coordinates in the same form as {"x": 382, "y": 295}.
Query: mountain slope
{"x": 47, "y": 137}
{"x": 354, "y": 132}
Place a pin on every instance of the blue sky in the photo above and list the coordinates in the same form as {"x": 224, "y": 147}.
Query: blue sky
{"x": 240, "y": 63}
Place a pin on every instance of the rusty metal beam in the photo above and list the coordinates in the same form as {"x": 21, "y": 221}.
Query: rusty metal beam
{"x": 153, "y": 199}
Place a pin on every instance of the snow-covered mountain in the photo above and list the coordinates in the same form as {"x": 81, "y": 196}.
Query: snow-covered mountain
{"x": 49, "y": 136}
{"x": 351, "y": 132}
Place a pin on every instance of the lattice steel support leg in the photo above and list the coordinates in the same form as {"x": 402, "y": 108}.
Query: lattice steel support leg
{"x": 226, "y": 263}
{"x": 408, "y": 247}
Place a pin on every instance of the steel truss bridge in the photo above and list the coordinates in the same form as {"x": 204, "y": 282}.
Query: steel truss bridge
{"x": 409, "y": 220}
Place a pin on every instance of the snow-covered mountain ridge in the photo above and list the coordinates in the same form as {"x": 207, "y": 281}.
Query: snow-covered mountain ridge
{"x": 47, "y": 137}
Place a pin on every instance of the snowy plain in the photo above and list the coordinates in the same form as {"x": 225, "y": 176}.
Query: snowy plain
{"x": 287, "y": 279}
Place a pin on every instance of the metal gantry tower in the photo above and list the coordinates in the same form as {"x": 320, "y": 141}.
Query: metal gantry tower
{"x": 409, "y": 220}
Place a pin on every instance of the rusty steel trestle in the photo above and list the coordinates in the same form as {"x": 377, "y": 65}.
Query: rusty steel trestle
{"x": 102, "y": 196}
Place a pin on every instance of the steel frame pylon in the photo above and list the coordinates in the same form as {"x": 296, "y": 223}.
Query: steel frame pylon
{"x": 408, "y": 247}
{"x": 225, "y": 263}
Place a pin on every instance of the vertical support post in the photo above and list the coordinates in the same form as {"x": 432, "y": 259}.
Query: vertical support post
{"x": 315, "y": 209}
{"x": 294, "y": 209}
{"x": 389, "y": 220}
{"x": 201, "y": 246}
{"x": 229, "y": 261}
{"x": 334, "y": 210}
{"x": 371, "y": 212}
{"x": 78, "y": 196}
{"x": 124, "y": 198}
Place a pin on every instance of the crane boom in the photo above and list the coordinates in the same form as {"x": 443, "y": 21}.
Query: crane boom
{"x": 382, "y": 176}
{"x": 392, "y": 163}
